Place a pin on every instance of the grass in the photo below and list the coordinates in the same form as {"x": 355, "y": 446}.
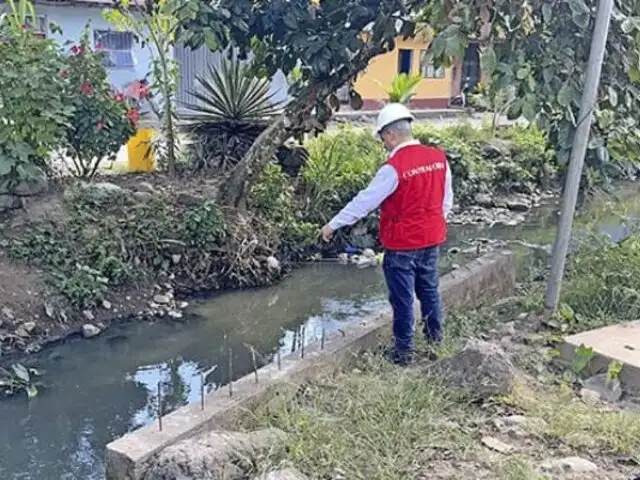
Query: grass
{"x": 377, "y": 421}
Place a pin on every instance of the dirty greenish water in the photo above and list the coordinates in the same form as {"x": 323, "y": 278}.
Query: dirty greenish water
{"x": 100, "y": 389}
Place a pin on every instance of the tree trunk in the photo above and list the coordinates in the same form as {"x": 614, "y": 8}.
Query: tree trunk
{"x": 235, "y": 188}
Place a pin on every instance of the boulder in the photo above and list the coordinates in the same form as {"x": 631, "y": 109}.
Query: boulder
{"x": 286, "y": 474}
{"x": 600, "y": 386}
{"x": 483, "y": 200}
{"x": 568, "y": 465}
{"x": 481, "y": 368}
{"x": 89, "y": 330}
{"x": 9, "y": 202}
{"x": 99, "y": 193}
{"x": 35, "y": 185}
{"x": 212, "y": 455}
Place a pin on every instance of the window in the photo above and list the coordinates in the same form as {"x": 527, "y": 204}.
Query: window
{"x": 39, "y": 26}
{"x": 405, "y": 59}
{"x": 118, "y": 47}
{"x": 427, "y": 68}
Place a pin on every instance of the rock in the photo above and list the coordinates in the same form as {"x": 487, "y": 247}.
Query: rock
{"x": 518, "y": 205}
{"x": 35, "y": 185}
{"x": 343, "y": 258}
{"x": 106, "y": 305}
{"x": 497, "y": 445}
{"x": 143, "y": 197}
{"x": 187, "y": 199}
{"x": 49, "y": 311}
{"x": 516, "y": 424}
{"x": 183, "y": 305}
{"x": 287, "y": 474}
{"x": 29, "y": 327}
{"x": 145, "y": 187}
{"x": 162, "y": 299}
{"x": 88, "y": 314}
{"x": 483, "y": 200}
{"x": 100, "y": 193}
{"x": 8, "y": 314}
{"x": 175, "y": 314}
{"x": 482, "y": 369}
{"x": 590, "y": 397}
{"x": 610, "y": 391}
{"x": 273, "y": 263}
{"x": 9, "y": 202}
{"x": 211, "y": 455}
{"x": 176, "y": 259}
{"x": 89, "y": 330}
{"x": 569, "y": 465}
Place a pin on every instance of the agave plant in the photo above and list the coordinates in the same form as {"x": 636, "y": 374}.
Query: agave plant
{"x": 232, "y": 108}
{"x": 403, "y": 87}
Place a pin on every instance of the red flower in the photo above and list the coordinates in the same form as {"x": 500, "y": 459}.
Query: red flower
{"x": 24, "y": 26}
{"x": 77, "y": 50}
{"x": 85, "y": 88}
{"x": 118, "y": 97}
{"x": 99, "y": 46}
{"x": 64, "y": 74}
{"x": 133, "y": 115}
{"x": 100, "y": 125}
{"x": 144, "y": 92}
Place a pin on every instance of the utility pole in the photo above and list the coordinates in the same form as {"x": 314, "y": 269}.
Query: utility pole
{"x": 578, "y": 151}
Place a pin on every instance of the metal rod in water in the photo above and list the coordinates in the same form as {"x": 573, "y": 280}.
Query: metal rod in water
{"x": 230, "y": 372}
{"x": 323, "y": 336}
{"x": 255, "y": 365}
{"x": 302, "y": 335}
{"x": 202, "y": 391}
{"x": 203, "y": 377}
{"x": 160, "y": 406}
{"x": 279, "y": 359}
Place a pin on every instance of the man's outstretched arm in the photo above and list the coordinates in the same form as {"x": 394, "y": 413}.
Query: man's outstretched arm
{"x": 383, "y": 184}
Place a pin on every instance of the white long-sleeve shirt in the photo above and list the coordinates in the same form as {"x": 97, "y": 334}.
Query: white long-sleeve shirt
{"x": 383, "y": 184}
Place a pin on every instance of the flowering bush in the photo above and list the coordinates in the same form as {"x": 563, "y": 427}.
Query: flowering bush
{"x": 102, "y": 120}
{"x": 32, "y": 111}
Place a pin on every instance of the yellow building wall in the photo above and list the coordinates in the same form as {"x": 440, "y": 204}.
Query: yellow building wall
{"x": 376, "y": 79}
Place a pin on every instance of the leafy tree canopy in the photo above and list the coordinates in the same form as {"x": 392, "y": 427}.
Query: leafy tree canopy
{"x": 538, "y": 47}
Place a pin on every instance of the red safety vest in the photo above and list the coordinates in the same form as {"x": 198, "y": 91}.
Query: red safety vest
{"x": 412, "y": 217}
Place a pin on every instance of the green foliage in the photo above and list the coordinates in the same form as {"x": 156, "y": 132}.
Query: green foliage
{"x": 92, "y": 251}
{"x": 33, "y": 111}
{"x": 582, "y": 359}
{"x": 19, "y": 379}
{"x": 540, "y": 51}
{"x": 273, "y": 197}
{"x": 102, "y": 121}
{"x": 204, "y": 225}
{"x": 319, "y": 45}
{"x": 403, "y": 88}
{"x": 232, "y": 108}
{"x": 339, "y": 165}
{"x": 603, "y": 296}
{"x": 154, "y": 24}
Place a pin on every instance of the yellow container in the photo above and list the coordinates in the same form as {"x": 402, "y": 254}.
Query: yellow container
{"x": 139, "y": 152}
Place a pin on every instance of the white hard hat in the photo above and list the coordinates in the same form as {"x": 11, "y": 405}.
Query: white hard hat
{"x": 391, "y": 113}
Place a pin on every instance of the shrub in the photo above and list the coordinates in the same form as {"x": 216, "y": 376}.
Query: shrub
{"x": 339, "y": 165}
{"x": 33, "y": 111}
{"x": 232, "y": 108}
{"x": 102, "y": 120}
{"x": 273, "y": 196}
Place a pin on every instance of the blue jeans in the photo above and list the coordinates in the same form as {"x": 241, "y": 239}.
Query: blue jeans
{"x": 406, "y": 273}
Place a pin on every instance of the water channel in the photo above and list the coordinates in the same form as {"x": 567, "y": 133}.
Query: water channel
{"x": 100, "y": 389}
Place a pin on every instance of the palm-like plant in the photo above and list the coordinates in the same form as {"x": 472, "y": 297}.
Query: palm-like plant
{"x": 403, "y": 88}
{"x": 232, "y": 108}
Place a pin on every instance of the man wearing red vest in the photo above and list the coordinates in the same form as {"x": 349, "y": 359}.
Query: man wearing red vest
{"x": 413, "y": 191}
